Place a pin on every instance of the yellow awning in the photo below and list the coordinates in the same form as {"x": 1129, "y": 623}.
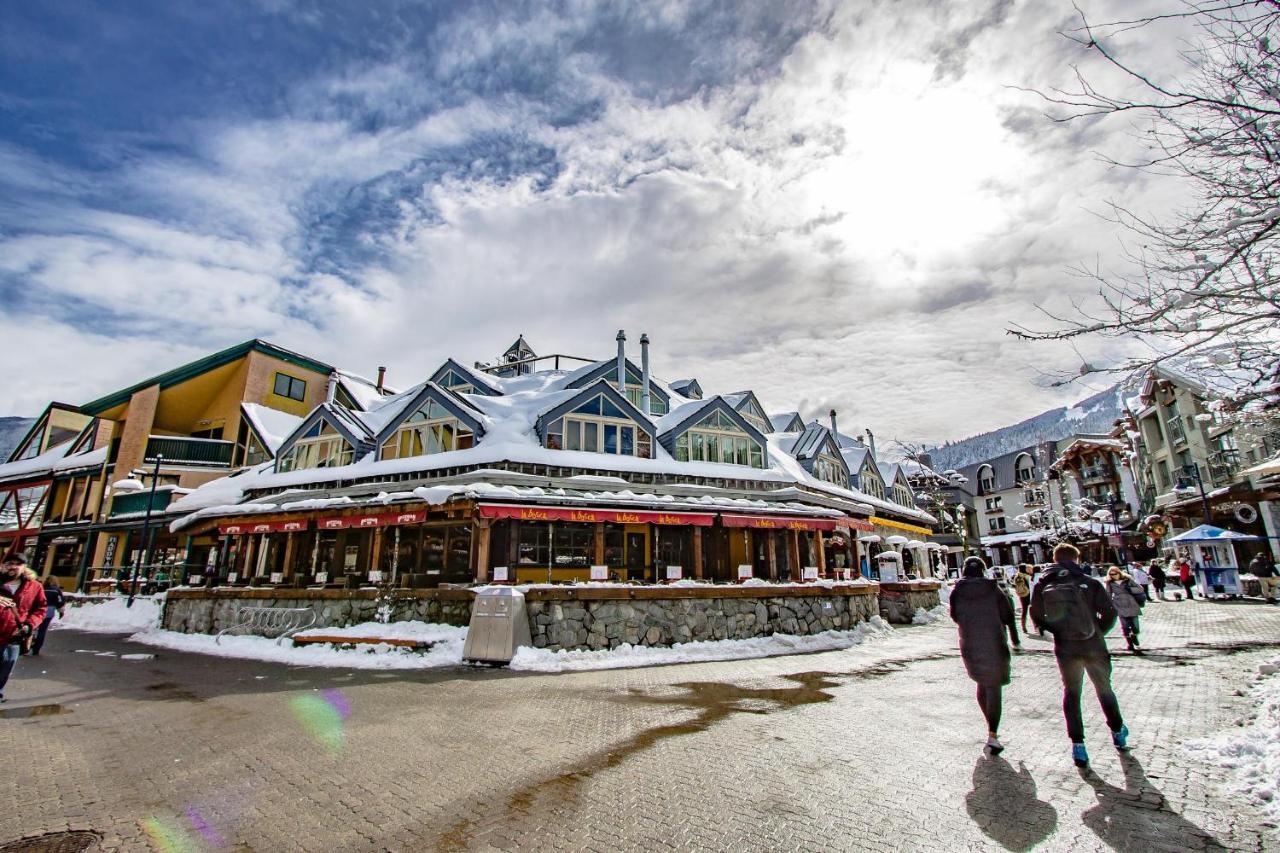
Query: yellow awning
{"x": 900, "y": 525}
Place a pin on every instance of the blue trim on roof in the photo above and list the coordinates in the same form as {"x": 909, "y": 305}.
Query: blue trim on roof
{"x": 430, "y": 391}
{"x": 600, "y": 386}
{"x": 810, "y": 445}
{"x": 481, "y": 385}
{"x": 634, "y": 375}
{"x": 668, "y": 438}
{"x": 687, "y": 388}
{"x": 329, "y": 413}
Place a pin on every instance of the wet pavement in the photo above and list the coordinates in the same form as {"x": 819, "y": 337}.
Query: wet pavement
{"x": 873, "y": 748}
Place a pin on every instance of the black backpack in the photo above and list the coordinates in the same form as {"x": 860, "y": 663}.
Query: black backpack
{"x": 1067, "y": 612}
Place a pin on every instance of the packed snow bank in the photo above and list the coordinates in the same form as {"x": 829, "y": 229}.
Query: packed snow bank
{"x": 447, "y": 650}
{"x": 113, "y": 615}
{"x": 540, "y": 660}
{"x": 1252, "y": 752}
{"x": 927, "y": 617}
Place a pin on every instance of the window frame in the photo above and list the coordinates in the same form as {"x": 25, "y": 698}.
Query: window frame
{"x": 290, "y": 383}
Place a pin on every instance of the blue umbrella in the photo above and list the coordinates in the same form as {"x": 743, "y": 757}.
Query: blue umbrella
{"x": 1209, "y": 533}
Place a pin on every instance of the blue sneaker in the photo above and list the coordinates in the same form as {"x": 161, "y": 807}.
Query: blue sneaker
{"x": 1121, "y": 738}
{"x": 1079, "y": 755}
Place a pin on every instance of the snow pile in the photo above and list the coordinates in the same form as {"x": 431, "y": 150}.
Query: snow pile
{"x": 112, "y": 615}
{"x": 928, "y": 617}
{"x": 446, "y": 651}
{"x": 625, "y": 656}
{"x": 1252, "y": 752}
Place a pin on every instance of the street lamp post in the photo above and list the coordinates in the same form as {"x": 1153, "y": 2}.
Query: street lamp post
{"x": 1112, "y": 502}
{"x": 145, "y": 550}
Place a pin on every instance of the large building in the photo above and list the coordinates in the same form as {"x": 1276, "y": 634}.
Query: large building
{"x": 538, "y": 472}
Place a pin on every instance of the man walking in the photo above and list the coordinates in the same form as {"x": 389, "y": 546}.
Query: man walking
{"x": 1022, "y": 589}
{"x": 20, "y": 593}
{"x": 1076, "y": 609}
{"x": 1264, "y": 570}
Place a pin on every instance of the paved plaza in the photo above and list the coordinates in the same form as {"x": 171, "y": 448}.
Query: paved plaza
{"x": 875, "y": 748}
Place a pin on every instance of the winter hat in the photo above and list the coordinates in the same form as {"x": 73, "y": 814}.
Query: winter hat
{"x": 974, "y": 567}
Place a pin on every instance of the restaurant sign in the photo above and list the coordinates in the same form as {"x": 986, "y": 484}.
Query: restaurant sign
{"x": 589, "y": 516}
{"x": 774, "y": 522}
{"x": 247, "y": 528}
{"x": 385, "y": 519}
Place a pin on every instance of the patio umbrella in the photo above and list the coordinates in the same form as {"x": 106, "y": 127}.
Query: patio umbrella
{"x": 1209, "y": 533}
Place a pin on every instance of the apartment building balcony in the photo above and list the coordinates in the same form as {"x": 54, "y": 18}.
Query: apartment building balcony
{"x": 1224, "y": 465}
{"x": 135, "y": 503}
{"x": 1177, "y": 434}
{"x": 1033, "y": 498}
{"x": 180, "y": 450}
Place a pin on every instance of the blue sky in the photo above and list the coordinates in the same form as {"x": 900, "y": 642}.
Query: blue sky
{"x": 838, "y": 204}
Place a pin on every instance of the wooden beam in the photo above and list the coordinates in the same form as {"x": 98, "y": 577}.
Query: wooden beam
{"x": 697, "y": 553}
{"x": 599, "y": 543}
{"x": 484, "y": 529}
{"x": 822, "y": 552}
{"x": 770, "y": 551}
{"x": 793, "y": 554}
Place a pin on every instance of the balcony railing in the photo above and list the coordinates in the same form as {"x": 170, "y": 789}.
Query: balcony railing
{"x": 1094, "y": 473}
{"x": 129, "y": 503}
{"x": 183, "y": 450}
{"x": 1032, "y": 497}
{"x": 1223, "y": 465}
{"x": 1176, "y": 433}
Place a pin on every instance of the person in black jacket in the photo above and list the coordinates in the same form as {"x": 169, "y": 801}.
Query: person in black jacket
{"x": 1077, "y": 610}
{"x": 55, "y": 600}
{"x": 1265, "y": 571}
{"x": 984, "y": 613}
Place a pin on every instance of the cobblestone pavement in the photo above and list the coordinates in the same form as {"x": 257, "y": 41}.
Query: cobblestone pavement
{"x": 874, "y": 748}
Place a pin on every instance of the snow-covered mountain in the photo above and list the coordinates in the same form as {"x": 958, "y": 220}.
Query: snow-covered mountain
{"x": 1094, "y": 414}
{"x": 11, "y": 432}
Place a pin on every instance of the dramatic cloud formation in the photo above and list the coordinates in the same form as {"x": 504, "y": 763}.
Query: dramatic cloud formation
{"x": 836, "y": 204}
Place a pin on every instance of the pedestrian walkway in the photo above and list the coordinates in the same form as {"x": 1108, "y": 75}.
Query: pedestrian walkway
{"x": 873, "y": 748}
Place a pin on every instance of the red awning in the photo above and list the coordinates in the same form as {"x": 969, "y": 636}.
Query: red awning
{"x": 246, "y": 528}
{"x": 384, "y": 519}
{"x": 619, "y": 516}
{"x": 778, "y": 522}
{"x": 860, "y": 524}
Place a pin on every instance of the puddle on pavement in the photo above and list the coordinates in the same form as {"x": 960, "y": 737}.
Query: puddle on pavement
{"x": 713, "y": 701}
{"x": 33, "y": 711}
{"x": 173, "y": 692}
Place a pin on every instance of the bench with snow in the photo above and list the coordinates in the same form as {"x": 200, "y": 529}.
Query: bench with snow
{"x": 278, "y": 622}
{"x": 311, "y": 638}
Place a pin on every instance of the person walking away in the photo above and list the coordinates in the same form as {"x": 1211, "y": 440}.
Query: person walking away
{"x": 1187, "y": 578}
{"x": 55, "y": 602}
{"x": 1157, "y": 577}
{"x": 1077, "y": 611}
{"x": 1264, "y": 570}
{"x": 1142, "y": 579}
{"x": 1127, "y": 598}
{"x": 983, "y": 614}
{"x": 21, "y": 594}
{"x": 1022, "y": 589}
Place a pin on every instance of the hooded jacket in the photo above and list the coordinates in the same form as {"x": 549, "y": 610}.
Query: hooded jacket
{"x": 28, "y": 599}
{"x": 983, "y": 614}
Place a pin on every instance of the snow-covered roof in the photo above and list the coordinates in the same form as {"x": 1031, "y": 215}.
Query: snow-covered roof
{"x": 362, "y": 390}
{"x": 55, "y": 460}
{"x": 272, "y": 426}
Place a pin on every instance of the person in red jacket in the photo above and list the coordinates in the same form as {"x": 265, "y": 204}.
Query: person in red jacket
{"x": 1187, "y": 578}
{"x": 22, "y": 599}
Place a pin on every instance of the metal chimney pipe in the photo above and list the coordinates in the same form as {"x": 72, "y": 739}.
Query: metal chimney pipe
{"x": 871, "y": 439}
{"x": 644, "y": 373}
{"x": 331, "y": 389}
{"x": 622, "y": 362}
{"x": 382, "y": 375}
{"x": 834, "y": 434}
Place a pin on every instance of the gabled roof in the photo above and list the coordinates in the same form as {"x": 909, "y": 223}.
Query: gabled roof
{"x": 454, "y": 403}
{"x": 203, "y": 365}
{"x": 787, "y": 422}
{"x": 600, "y": 386}
{"x": 679, "y": 421}
{"x": 361, "y": 391}
{"x": 858, "y": 458}
{"x": 815, "y": 440}
{"x": 520, "y": 349}
{"x": 482, "y": 383}
{"x": 341, "y": 419}
{"x": 587, "y": 374}
{"x": 686, "y": 388}
{"x": 741, "y": 400}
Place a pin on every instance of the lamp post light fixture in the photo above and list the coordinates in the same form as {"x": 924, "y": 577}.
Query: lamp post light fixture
{"x": 145, "y": 550}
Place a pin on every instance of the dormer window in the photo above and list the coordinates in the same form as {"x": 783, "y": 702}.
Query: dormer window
{"x": 873, "y": 486}
{"x": 430, "y": 429}
{"x": 657, "y": 405}
{"x": 599, "y": 426}
{"x": 828, "y": 468}
{"x": 1025, "y": 470}
{"x": 456, "y": 383}
{"x": 986, "y": 480}
{"x": 320, "y": 447}
{"x": 716, "y": 438}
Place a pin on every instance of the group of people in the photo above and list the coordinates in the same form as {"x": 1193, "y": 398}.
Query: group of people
{"x": 1075, "y": 608}
{"x": 26, "y": 609}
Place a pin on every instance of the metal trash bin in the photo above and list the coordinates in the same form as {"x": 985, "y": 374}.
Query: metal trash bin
{"x": 499, "y": 626}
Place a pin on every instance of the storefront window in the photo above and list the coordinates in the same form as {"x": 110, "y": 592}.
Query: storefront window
{"x": 574, "y": 545}
{"x": 533, "y": 545}
{"x": 458, "y": 563}
{"x": 433, "y": 551}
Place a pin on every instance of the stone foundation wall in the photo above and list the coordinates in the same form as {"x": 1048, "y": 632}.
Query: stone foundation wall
{"x": 900, "y": 601}
{"x": 208, "y": 611}
{"x": 607, "y": 618}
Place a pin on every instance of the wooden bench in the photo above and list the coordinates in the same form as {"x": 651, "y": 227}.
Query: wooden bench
{"x": 339, "y": 639}
{"x": 278, "y": 622}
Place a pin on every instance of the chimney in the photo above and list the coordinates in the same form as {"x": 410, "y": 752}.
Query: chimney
{"x": 382, "y": 375}
{"x": 871, "y": 440}
{"x": 331, "y": 389}
{"x": 644, "y": 373}
{"x": 834, "y": 434}
{"x": 622, "y": 362}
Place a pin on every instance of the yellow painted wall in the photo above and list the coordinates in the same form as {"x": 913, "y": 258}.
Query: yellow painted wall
{"x": 260, "y": 384}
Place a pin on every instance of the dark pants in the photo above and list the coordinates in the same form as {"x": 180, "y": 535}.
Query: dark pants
{"x": 990, "y": 702}
{"x": 42, "y": 630}
{"x": 1129, "y": 626}
{"x": 8, "y": 657}
{"x": 1073, "y": 668}
{"x": 1026, "y": 606}
{"x": 1190, "y": 586}
{"x": 1159, "y": 585}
